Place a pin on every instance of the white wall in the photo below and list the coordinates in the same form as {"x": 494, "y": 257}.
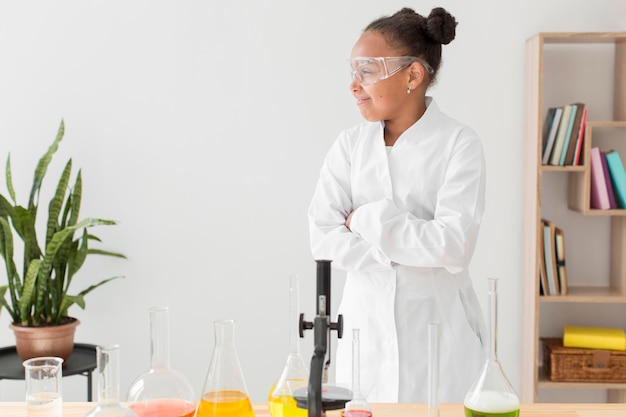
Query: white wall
{"x": 201, "y": 127}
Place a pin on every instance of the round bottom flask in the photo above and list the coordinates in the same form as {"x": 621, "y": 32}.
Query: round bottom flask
{"x": 162, "y": 391}
{"x": 492, "y": 394}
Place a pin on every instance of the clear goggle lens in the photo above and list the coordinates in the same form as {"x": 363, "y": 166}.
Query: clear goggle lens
{"x": 370, "y": 70}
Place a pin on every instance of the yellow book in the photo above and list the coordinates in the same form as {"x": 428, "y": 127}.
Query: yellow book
{"x": 594, "y": 338}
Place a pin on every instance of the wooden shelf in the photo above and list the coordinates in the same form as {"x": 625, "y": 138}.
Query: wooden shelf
{"x": 544, "y": 382}
{"x": 546, "y": 83}
{"x": 568, "y": 168}
{"x": 587, "y": 295}
{"x": 580, "y": 37}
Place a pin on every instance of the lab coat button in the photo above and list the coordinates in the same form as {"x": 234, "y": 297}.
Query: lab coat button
{"x": 389, "y": 288}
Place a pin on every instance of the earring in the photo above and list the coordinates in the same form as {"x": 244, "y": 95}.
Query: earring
{"x": 408, "y": 90}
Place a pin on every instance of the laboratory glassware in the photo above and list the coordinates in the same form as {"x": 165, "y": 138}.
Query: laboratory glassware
{"x": 492, "y": 394}
{"x": 109, "y": 404}
{"x": 225, "y": 393}
{"x": 162, "y": 391}
{"x": 295, "y": 374}
{"x": 357, "y": 406}
{"x": 43, "y": 386}
{"x": 433, "y": 369}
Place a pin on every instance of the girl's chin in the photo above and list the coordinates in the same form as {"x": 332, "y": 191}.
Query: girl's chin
{"x": 370, "y": 117}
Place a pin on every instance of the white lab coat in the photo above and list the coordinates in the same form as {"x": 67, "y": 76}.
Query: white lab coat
{"x": 418, "y": 207}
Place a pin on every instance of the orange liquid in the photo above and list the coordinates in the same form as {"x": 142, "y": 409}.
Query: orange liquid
{"x": 225, "y": 403}
{"x": 163, "y": 408}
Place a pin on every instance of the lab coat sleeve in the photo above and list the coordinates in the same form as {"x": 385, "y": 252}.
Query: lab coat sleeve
{"x": 330, "y": 206}
{"x": 448, "y": 239}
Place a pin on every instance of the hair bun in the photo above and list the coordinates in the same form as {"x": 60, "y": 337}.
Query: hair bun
{"x": 440, "y": 26}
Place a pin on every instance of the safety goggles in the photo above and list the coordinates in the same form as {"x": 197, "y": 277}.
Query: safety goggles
{"x": 370, "y": 70}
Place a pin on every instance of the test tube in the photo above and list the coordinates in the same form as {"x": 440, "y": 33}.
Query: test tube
{"x": 433, "y": 369}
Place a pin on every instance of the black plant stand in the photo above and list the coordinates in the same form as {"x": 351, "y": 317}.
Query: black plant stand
{"x": 82, "y": 361}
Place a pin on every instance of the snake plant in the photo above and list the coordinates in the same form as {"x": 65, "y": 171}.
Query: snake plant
{"x": 39, "y": 295}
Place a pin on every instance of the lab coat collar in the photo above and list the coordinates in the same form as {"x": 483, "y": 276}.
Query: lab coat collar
{"x": 427, "y": 122}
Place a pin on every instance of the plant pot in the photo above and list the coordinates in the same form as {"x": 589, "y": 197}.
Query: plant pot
{"x": 33, "y": 342}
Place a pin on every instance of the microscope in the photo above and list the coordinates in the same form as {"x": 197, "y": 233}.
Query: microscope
{"x": 319, "y": 396}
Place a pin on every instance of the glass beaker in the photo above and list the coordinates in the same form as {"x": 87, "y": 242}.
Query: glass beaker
{"x": 109, "y": 404}
{"x": 161, "y": 392}
{"x": 43, "y": 386}
{"x": 357, "y": 406}
{"x": 295, "y": 374}
{"x": 225, "y": 393}
{"x": 492, "y": 394}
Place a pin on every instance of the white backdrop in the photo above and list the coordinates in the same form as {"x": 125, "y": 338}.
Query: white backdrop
{"x": 201, "y": 126}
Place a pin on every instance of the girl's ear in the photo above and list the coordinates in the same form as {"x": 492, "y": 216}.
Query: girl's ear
{"x": 417, "y": 73}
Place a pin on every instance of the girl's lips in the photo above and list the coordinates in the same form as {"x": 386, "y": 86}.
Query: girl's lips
{"x": 361, "y": 100}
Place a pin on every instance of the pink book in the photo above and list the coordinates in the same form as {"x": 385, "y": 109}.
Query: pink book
{"x": 599, "y": 191}
{"x": 607, "y": 180}
{"x": 579, "y": 140}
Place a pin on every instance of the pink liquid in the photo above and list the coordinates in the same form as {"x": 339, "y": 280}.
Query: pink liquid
{"x": 356, "y": 413}
{"x": 164, "y": 408}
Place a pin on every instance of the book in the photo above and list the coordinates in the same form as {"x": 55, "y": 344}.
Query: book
{"x": 543, "y": 279}
{"x": 559, "y": 245}
{"x": 599, "y": 194}
{"x": 568, "y": 134}
{"x": 578, "y": 157}
{"x": 554, "y": 127}
{"x": 607, "y": 181}
{"x": 571, "y": 147}
{"x": 618, "y": 176}
{"x": 555, "y": 156}
{"x": 594, "y": 337}
{"x": 550, "y": 257}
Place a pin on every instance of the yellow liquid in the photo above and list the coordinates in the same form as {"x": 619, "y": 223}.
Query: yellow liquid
{"x": 285, "y": 405}
{"x": 225, "y": 403}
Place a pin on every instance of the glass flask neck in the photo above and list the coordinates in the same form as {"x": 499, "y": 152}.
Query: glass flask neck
{"x": 224, "y": 332}
{"x": 493, "y": 319}
{"x": 159, "y": 337}
{"x": 108, "y": 374}
{"x": 356, "y": 365}
{"x": 293, "y": 319}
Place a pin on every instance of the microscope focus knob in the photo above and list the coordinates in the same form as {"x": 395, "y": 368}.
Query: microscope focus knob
{"x": 338, "y": 326}
{"x": 303, "y": 325}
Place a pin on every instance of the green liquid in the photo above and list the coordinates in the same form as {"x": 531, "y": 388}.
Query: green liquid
{"x": 473, "y": 413}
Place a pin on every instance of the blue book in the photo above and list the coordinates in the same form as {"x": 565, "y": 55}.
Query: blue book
{"x": 618, "y": 176}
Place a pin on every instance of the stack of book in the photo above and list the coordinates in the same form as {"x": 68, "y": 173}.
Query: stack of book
{"x": 608, "y": 180}
{"x": 552, "y": 273}
{"x": 563, "y": 134}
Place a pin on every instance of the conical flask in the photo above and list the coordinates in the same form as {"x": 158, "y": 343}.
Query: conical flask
{"x": 357, "y": 406}
{"x": 492, "y": 394}
{"x": 295, "y": 374}
{"x": 109, "y": 404}
{"x": 225, "y": 393}
{"x": 161, "y": 392}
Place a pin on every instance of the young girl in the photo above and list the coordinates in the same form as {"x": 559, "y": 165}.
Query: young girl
{"x": 398, "y": 206}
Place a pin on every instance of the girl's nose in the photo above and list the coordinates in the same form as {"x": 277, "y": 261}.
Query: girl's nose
{"x": 355, "y": 85}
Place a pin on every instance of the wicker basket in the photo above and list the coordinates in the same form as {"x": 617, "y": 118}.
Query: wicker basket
{"x": 564, "y": 364}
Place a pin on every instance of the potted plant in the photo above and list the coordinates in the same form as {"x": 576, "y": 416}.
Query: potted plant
{"x": 39, "y": 297}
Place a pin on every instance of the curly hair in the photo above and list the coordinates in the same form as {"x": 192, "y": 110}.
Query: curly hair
{"x": 416, "y": 35}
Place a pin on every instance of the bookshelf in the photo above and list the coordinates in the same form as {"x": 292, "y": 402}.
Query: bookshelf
{"x": 563, "y": 68}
